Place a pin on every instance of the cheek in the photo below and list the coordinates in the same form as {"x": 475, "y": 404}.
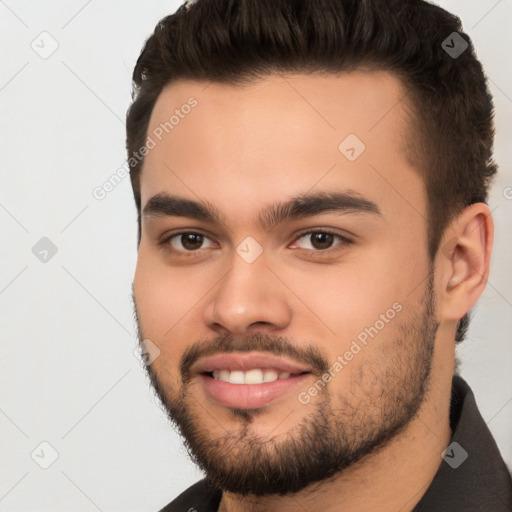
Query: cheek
{"x": 158, "y": 297}
{"x": 159, "y": 309}
{"x": 168, "y": 297}
{"x": 152, "y": 303}
{"x": 366, "y": 293}
{"x": 348, "y": 298}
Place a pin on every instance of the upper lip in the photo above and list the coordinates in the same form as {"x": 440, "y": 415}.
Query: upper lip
{"x": 245, "y": 362}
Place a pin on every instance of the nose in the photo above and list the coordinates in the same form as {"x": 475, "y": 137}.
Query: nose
{"x": 249, "y": 297}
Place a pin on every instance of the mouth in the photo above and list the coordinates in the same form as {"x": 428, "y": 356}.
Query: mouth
{"x": 250, "y": 380}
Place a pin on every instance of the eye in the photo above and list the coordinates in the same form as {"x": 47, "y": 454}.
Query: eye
{"x": 321, "y": 241}
{"x": 186, "y": 241}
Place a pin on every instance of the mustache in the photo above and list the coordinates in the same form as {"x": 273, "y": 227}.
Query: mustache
{"x": 275, "y": 345}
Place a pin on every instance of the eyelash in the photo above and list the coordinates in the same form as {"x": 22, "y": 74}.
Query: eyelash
{"x": 315, "y": 252}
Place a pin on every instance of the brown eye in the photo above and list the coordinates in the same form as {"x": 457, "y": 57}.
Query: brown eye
{"x": 321, "y": 241}
{"x": 191, "y": 241}
{"x": 185, "y": 242}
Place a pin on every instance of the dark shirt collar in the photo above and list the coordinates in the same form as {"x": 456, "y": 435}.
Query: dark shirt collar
{"x": 482, "y": 481}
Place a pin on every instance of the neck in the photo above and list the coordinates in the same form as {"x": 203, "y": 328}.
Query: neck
{"x": 393, "y": 478}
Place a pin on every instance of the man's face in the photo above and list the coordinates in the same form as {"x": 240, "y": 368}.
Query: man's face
{"x": 342, "y": 337}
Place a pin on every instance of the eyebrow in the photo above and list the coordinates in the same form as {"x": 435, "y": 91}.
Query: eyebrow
{"x": 302, "y": 206}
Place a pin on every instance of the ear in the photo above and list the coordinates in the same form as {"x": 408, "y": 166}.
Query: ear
{"x": 463, "y": 262}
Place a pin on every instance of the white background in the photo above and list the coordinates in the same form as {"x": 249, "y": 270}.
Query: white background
{"x": 68, "y": 375}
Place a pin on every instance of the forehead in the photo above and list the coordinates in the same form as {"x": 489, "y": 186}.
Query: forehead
{"x": 242, "y": 146}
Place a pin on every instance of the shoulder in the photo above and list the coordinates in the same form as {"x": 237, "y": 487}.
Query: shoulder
{"x": 200, "y": 497}
{"x": 472, "y": 475}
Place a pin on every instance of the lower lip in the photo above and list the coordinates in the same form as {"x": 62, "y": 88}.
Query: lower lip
{"x": 250, "y": 396}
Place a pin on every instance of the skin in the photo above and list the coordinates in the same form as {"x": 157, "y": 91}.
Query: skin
{"x": 244, "y": 147}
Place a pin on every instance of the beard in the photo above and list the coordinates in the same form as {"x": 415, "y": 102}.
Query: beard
{"x": 383, "y": 396}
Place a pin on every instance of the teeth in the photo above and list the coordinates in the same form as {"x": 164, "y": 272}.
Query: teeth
{"x": 270, "y": 376}
{"x": 236, "y": 377}
{"x": 255, "y": 376}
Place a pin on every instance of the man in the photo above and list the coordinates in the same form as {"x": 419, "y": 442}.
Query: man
{"x": 311, "y": 181}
